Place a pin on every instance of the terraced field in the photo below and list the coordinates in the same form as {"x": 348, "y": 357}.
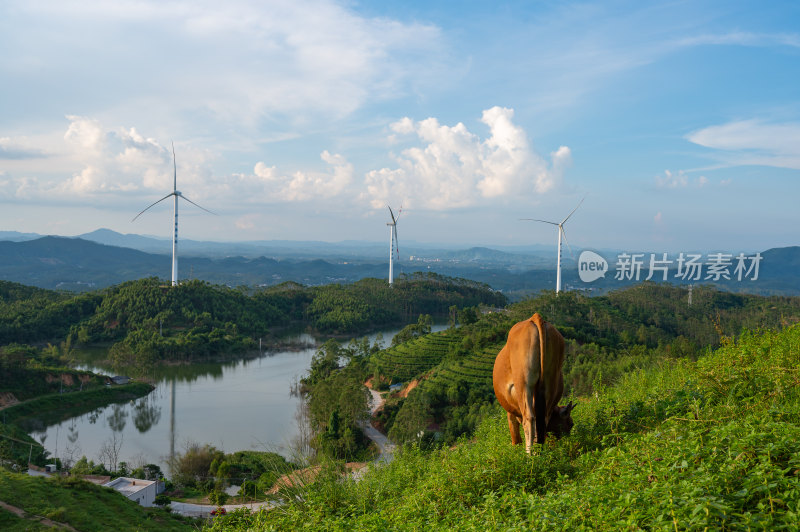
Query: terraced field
{"x": 406, "y": 361}
{"x": 474, "y": 369}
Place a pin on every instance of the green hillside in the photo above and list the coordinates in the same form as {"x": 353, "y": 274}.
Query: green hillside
{"x": 710, "y": 444}
{"x": 77, "y": 504}
{"x": 606, "y": 338}
{"x": 30, "y": 314}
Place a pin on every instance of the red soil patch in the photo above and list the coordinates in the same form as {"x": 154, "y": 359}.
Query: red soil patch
{"x": 411, "y": 385}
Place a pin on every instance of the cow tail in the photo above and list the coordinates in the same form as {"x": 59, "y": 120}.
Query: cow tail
{"x": 540, "y": 406}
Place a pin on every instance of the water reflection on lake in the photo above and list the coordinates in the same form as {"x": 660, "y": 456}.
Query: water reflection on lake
{"x": 233, "y": 405}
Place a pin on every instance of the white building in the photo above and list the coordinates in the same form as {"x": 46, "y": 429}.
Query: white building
{"x": 141, "y": 491}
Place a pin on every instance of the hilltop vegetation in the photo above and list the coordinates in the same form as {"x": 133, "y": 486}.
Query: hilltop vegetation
{"x": 148, "y": 321}
{"x": 29, "y": 314}
{"x": 681, "y": 445}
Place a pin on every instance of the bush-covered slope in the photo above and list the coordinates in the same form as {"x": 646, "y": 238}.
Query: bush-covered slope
{"x": 686, "y": 445}
{"x": 606, "y": 337}
{"x": 77, "y": 503}
{"x": 33, "y": 314}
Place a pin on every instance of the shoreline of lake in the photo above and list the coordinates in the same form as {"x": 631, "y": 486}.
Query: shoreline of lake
{"x": 237, "y": 402}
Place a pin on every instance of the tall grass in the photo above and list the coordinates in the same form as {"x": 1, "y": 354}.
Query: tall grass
{"x": 683, "y": 446}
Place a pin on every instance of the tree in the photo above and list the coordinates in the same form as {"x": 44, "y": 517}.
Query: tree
{"x": 109, "y": 450}
{"x": 468, "y": 315}
{"x": 218, "y": 498}
{"x": 194, "y": 463}
{"x": 324, "y": 362}
{"x": 409, "y": 332}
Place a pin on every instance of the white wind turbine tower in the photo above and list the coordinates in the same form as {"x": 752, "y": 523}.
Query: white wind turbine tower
{"x": 175, "y": 194}
{"x": 560, "y": 234}
{"x": 393, "y": 245}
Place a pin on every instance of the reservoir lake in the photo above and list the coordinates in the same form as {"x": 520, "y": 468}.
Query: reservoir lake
{"x": 236, "y": 405}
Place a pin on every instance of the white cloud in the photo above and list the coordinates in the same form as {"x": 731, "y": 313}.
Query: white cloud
{"x": 235, "y": 62}
{"x": 752, "y": 142}
{"x": 248, "y": 222}
{"x": 90, "y": 160}
{"x": 455, "y": 168}
{"x": 742, "y": 38}
{"x": 679, "y": 180}
{"x": 84, "y": 132}
{"x": 14, "y": 149}
{"x": 267, "y": 184}
{"x": 113, "y": 160}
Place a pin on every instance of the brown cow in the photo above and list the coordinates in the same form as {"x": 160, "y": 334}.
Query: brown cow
{"x": 528, "y": 381}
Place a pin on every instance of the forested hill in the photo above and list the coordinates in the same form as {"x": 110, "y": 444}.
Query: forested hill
{"x": 148, "y": 319}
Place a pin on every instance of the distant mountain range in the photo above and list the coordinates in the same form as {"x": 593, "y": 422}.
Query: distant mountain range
{"x": 347, "y": 249}
{"x": 103, "y": 258}
{"x": 78, "y": 264}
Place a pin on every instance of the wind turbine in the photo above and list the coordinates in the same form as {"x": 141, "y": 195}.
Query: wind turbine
{"x": 560, "y": 234}
{"x": 175, "y": 194}
{"x": 393, "y": 245}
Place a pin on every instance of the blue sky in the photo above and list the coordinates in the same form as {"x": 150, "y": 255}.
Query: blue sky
{"x": 679, "y": 122}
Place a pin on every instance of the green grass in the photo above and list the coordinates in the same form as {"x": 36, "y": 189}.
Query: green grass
{"x": 82, "y": 505}
{"x": 10, "y": 521}
{"x": 681, "y": 446}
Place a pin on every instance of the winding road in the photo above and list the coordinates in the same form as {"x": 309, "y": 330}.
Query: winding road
{"x": 386, "y": 447}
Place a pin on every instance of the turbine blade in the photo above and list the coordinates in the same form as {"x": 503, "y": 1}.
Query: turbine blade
{"x": 543, "y": 221}
{"x": 152, "y": 204}
{"x": 573, "y": 210}
{"x": 174, "y": 170}
{"x": 396, "y": 242}
{"x": 564, "y": 234}
{"x": 394, "y": 220}
{"x": 196, "y": 205}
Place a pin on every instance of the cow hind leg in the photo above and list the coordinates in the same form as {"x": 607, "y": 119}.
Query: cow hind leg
{"x": 541, "y": 425}
{"x": 513, "y": 428}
